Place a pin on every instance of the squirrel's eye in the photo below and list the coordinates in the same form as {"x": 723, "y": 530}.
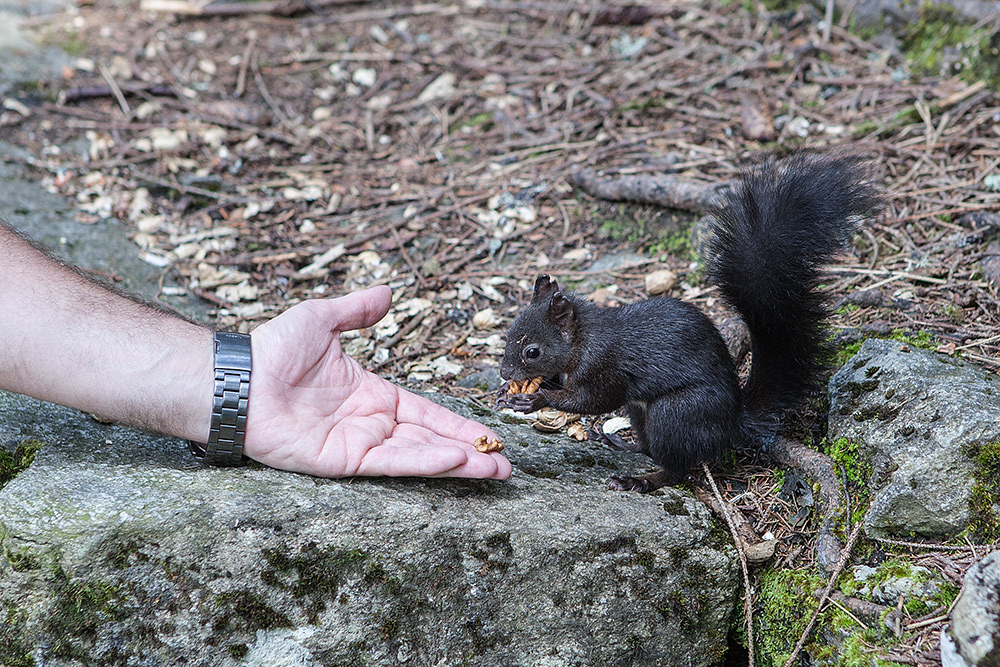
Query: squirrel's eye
{"x": 532, "y": 352}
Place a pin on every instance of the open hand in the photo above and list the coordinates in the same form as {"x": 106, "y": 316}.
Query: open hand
{"x": 315, "y": 410}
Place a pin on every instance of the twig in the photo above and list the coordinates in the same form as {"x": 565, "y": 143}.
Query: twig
{"x": 747, "y": 591}
{"x": 928, "y": 545}
{"x": 845, "y": 554}
{"x": 241, "y": 78}
{"x": 924, "y": 624}
{"x": 828, "y": 21}
{"x": 116, "y": 91}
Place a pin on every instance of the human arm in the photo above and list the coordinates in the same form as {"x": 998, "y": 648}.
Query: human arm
{"x": 312, "y": 409}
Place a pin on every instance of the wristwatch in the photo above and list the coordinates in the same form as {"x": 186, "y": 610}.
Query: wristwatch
{"x": 229, "y": 404}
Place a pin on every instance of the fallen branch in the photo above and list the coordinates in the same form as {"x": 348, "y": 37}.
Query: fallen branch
{"x": 664, "y": 190}
{"x": 285, "y": 8}
{"x": 205, "y": 8}
{"x": 78, "y": 93}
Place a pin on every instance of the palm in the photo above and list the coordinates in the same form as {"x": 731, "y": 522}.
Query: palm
{"x": 315, "y": 410}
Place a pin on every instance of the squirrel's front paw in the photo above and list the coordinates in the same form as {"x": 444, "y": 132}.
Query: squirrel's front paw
{"x": 525, "y": 402}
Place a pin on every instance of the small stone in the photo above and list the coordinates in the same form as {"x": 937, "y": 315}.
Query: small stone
{"x": 660, "y": 282}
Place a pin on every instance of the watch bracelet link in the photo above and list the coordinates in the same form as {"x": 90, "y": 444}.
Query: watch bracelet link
{"x": 230, "y": 399}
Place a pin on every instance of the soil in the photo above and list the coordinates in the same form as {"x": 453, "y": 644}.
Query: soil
{"x": 260, "y": 159}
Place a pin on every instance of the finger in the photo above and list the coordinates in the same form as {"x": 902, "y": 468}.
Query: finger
{"x": 399, "y": 457}
{"x": 419, "y": 411}
{"x": 479, "y": 464}
{"x": 356, "y": 310}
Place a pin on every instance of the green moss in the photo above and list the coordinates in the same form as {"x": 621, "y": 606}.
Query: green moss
{"x": 14, "y": 463}
{"x": 480, "y": 120}
{"x": 238, "y": 651}
{"x": 787, "y": 599}
{"x": 940, "y": 31}
{"x": 81, "y": 607}
{"x": 984, "y": 522}
{"x": 785, "y": 603}
{"x": 23, "y": 559}
{"x": 675, "y": 242}
{"x": 856, "y": 651}
{"x": 246, "y": 612}
{"x": 946, "y": 595}
{"x": 847, "y": 309}
{"x": 921, "y": 339}
{"x": 851, "y": 459}
{"x": 316, "y": 573}
{"x": 73, "y": 43}
{"x": 13, "y": 651}
{"x": 622, "y": 224}
{"x": 845, "y": 353}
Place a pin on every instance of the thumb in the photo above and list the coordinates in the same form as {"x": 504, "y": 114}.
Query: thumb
{"x": 358, "y": 309}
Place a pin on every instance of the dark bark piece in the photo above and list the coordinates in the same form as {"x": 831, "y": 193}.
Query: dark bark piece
{"x": 758, "y": 121}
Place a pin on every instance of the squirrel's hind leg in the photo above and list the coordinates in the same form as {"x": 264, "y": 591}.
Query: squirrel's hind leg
{"x": 645, "y": 483}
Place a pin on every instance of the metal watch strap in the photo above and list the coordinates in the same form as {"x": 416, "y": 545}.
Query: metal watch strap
{"x": 229, "y": 403}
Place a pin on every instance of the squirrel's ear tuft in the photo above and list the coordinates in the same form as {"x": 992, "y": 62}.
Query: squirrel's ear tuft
{"x": 544, "y": 287}
{"x": 561, "y": 311}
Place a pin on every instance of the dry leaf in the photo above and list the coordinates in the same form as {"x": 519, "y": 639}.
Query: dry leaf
{"x": 577, "y": 255}
{"x": 439, "y": 88}
{"x": 485, "y": 319}
{"x": 758, "y": 122}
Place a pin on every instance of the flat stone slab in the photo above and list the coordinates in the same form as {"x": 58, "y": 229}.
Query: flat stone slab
{"x": 116, "y": 550}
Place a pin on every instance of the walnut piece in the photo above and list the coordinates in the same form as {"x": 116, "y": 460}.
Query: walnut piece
{"x": 525, "y": 387}
{"x": 487, "y": 447}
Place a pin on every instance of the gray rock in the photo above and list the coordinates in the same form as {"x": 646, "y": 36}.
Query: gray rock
{"x": 102, "y": 247}
{"x": 23, "y": 59}
{"x": 869, "y": 13}
{"x": 918, "y": 415}
{"x": 974, "y": 633}
{"x": 116, "y": 551}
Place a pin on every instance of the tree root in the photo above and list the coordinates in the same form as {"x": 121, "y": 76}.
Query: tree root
{"x": 819, "y": 468}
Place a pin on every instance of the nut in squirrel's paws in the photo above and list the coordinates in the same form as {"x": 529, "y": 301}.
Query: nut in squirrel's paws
{"x": 525, "y": 387}
{"x": 487, "y": 447}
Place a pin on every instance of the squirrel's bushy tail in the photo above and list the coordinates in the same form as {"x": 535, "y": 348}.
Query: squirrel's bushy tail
{"x": 780, "y": 223}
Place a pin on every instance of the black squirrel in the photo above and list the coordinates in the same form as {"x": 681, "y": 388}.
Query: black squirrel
{"x": 665, "y": 361}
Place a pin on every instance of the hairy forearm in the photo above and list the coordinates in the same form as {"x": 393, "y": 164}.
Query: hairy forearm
{"x": 66, "y": 339}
